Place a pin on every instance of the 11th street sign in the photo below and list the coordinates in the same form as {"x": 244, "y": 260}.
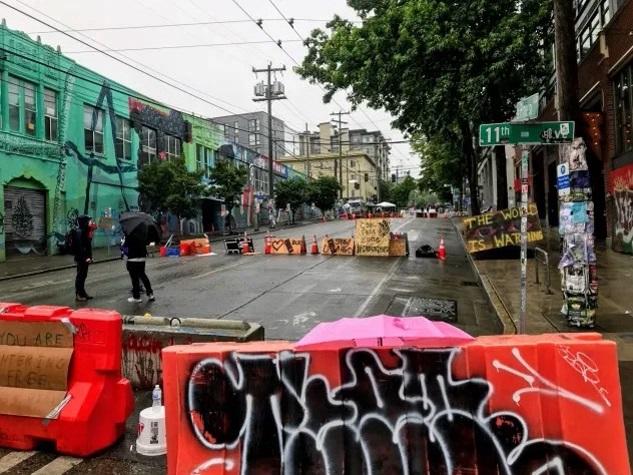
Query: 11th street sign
{"x": 538, "y": 133}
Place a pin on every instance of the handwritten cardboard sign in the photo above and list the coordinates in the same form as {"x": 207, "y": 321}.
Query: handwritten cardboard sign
{"x": 398, "y": 246}
{"x": 34, "y": 362}
{"x": 372, "y": 237}
{"x": 500, "y": 229}
{"x": 340, "y": 246}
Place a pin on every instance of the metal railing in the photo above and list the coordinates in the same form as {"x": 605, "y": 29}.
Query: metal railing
{"x": 541, "y": 257}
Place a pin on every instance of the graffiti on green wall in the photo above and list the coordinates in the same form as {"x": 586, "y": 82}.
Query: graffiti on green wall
{"x": 71, "y": 149}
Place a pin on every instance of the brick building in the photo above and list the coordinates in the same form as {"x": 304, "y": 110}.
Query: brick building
{"x": 604, "y": 33}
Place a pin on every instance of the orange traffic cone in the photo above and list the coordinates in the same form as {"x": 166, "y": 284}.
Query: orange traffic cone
{"x": 245, "y": 247}
{"x": 441, "y": 251}
{"x": 315, "y": 246}
{"x": 267, "y": 244}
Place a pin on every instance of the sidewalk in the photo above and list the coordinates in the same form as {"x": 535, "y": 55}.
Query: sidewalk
{"x": 614, "y": 317}
{"x": 25, "y": 266}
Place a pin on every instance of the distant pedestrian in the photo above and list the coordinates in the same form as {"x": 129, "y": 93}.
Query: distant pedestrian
{"x": 271, "y": 218}
{"x": 82, "y": 249}
{"x": 227, "y": 223}
{"x": 136, "y": 255}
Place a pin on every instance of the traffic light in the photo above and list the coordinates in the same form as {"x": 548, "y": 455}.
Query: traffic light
{"x": 393, "y": 178}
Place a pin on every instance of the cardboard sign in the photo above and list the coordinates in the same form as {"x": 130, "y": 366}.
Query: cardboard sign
{"x": 500, "y": 229}
{"x": 34, "y": 362}
{"x": 286, "y": 246}
{"x": 340, "y": 246}
{"x": 372, "y": 237}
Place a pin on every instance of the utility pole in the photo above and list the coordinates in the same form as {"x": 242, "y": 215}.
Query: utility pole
{"x": 340, "y": 150}
{"x": 269, "y": 92}
{"x": 566, "y": 66}
{"x": 308, "y": 144}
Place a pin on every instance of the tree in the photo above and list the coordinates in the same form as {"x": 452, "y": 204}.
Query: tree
{"x": 442, "y": 68}
{"x": 228, "y": 180}
{"x": 323, "y": 192}
{"x": 167, "y": 185}
{"x": 401, "y": 192}
{"x": 384, "y": 189}
{"x": 293, "y": 192}
{"x": 440, "y": 162}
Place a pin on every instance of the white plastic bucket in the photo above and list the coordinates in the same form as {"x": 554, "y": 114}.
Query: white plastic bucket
{"x": 151, "y": 432}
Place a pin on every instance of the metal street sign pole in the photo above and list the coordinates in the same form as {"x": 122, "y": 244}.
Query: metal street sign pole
{"x": 525, "y": 153}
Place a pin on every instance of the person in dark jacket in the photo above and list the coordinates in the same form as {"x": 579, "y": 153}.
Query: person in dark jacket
{"x": 136, "y": 254}
{"x": 83, "y": 254}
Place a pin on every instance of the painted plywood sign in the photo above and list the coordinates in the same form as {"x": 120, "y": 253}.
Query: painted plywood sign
{"x": 288, "y": 246}
{"x": 372, "y": 237}
{"x": 340, "y": 246}
{"x": 621, "y": 188}
{"x": 500, "y": 229}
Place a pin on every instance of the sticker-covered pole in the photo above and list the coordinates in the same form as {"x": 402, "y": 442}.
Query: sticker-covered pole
{"x": 525, "y": 154}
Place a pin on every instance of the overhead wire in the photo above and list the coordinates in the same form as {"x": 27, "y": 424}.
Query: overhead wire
{"x": 167, "y": 47}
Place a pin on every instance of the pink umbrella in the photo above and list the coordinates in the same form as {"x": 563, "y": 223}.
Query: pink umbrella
{"x": 383, "y": 331}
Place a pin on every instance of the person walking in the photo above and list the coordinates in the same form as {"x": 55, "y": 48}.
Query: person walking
{"x": 136, "y": 255}
{"x": 82, "y": 244}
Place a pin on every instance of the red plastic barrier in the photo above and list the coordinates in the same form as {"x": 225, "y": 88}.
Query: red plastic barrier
{"x": 503, "y": 404}
{"x": 98, "y": 399}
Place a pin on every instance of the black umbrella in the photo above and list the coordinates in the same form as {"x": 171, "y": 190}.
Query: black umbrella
{"x": 141, "y": 226}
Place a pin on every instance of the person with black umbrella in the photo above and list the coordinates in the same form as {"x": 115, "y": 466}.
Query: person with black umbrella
{"x": 138, "y": 229}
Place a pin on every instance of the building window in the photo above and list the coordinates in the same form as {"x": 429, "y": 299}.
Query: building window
{"x": 588, "y": 34}
{"x": 123, "y": 139}
{"x": 50, "y": 115}
{"x": 606, "y": 12}
{"x": 14, "y": 105}
{"x": 624, "y": 111}
{"x": 22, "y": 106}
{"x": 227, "y": 132}
{"x": 173, "y": 147}
{"x": 253, "y": 125}
{"x": 148, "y": 145}
{"x": 236, "y": 132}
{"x": 253, "y": 139}
{"x": 93, "y": 129}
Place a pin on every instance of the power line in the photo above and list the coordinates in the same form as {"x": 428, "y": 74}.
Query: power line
{"x": 120, "y": 61}
{"x": 174, "y": 25}
{"x": 166, "y": 47}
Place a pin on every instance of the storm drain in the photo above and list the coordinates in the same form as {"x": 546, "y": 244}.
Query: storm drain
{"x": 432, "y": 308}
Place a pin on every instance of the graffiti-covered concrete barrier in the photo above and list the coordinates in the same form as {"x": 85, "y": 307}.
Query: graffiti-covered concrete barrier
{"x": 500, "y": 405}
{"x": 145, "y": 337}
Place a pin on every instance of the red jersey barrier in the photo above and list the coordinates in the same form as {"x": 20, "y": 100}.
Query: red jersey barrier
{"x": 502, "y": 404}
{"x": 60, "y": 379}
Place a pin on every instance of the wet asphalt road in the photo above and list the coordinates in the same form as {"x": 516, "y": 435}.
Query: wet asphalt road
{"x": 288, "y": 295}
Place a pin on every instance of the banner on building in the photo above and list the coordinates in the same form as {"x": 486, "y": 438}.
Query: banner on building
{"x": 621, "y": 187}
{"x": 500, "y": 229}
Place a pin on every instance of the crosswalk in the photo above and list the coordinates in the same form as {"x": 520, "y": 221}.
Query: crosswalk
{"x": 35, "y": 463}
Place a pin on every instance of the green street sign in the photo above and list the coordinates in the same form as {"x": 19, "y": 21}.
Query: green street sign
{"x": 538, "y": 133}
{"x": 527, "y": 108}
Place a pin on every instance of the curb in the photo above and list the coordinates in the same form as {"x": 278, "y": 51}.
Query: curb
{"x": 262, "y": 230}
{"x": 503, "y": 314}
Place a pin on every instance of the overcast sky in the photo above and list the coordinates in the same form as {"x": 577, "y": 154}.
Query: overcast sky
{"x": 221, "y": 74}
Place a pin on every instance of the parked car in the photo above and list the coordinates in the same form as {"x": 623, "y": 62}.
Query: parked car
{"x": 431, "y": 212}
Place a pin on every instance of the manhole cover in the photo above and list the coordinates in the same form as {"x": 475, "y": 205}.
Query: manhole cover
{"x": 435, "y": 309}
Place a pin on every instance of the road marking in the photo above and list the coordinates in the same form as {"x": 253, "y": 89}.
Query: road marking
{"x": 219, "y": 269}
{"x": 302, "y": 318}
{"x": 12, "y": 459}
{"x": 392, "y": 270}
{"x": 58, "y": 466}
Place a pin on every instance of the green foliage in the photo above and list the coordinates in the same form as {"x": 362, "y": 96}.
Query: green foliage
{"x": 442, "y": 68}
{"x": 425, "y": 199}
{"x": 402, "y": 191}
{"x": 441, "y": 163}
{"x": 293, "y": 191}
{"x": 228, "y": 181}
{"x": 384, "y": 190}
{"x": 323, "y": 192}
{"x": 168, "y": 186}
